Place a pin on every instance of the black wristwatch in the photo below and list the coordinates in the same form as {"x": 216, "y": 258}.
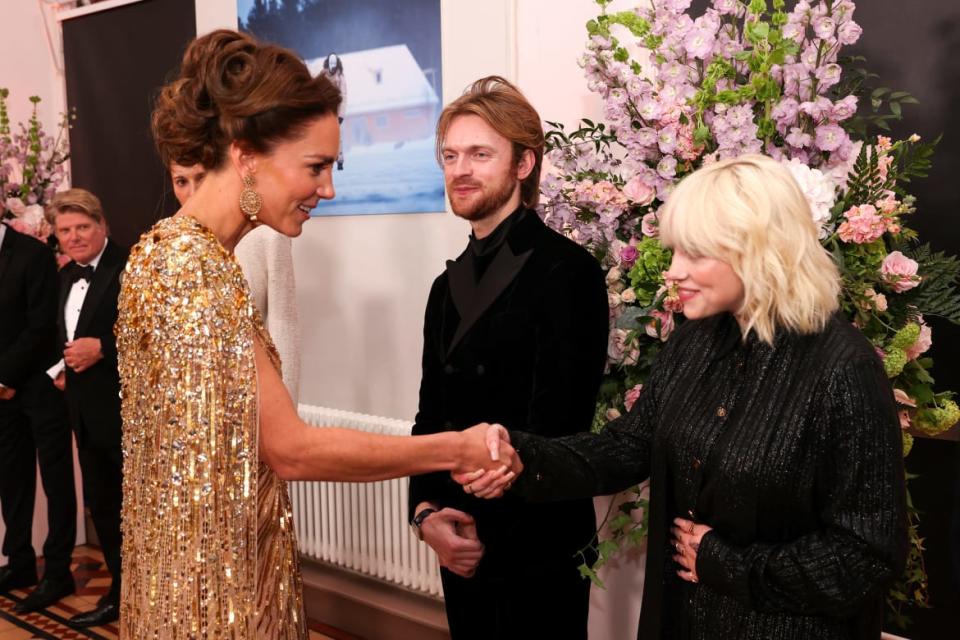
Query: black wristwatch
{"x": 418, "y": 521}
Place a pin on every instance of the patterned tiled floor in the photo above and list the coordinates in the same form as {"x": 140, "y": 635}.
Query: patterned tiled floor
{"x": 92, "y": 582}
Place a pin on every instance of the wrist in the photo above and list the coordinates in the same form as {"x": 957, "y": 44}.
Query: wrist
{"x": 418, "y": 520}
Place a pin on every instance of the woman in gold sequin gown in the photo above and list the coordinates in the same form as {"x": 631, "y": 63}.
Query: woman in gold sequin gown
{"x": 210, "y": 432}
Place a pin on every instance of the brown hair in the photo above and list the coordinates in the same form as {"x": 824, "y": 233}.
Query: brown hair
{"x": 75, "y": 201}
{"x": 233, "y": 88}
{"x": 505, "y": 109}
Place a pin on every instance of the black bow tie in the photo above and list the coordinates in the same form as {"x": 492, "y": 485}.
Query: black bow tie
{"x": 80, "y": 273}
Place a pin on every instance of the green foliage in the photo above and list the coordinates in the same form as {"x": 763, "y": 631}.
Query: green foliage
{"x": 937, "y": 293}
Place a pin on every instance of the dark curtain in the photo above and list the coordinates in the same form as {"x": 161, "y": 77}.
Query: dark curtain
{"x": 116, "y": 61}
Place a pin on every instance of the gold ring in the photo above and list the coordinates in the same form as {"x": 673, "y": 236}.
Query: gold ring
{"x": 468, "y": 487}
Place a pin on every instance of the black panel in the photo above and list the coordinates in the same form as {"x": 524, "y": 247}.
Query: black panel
{"x": 116, "y": 61}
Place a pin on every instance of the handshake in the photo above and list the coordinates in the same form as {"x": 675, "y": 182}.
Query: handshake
{"x": 488, "y": 463}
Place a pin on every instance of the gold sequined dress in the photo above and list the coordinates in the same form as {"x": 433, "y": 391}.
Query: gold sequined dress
{"x": 208, "y": 544}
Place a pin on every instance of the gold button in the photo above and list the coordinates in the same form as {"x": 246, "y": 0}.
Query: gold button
{"x": 696, "y": 463}
{"x": 721, "y": 412}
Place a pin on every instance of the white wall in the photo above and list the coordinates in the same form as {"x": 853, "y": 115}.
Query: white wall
{"x": 27, "y": 64}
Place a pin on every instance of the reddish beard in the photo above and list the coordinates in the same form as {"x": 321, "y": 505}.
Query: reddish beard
{"x": 488, "y": 204}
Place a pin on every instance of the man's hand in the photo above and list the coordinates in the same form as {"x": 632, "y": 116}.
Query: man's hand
{"x": 453, "y": 535}
{"x": 6, "y": 393}
{"x": 60, "y": 382}
{"x": 82, "y": 353}
{"x": 491, "y": 483}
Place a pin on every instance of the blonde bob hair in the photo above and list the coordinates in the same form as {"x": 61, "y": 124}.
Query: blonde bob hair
{"x": 750, "y": 213}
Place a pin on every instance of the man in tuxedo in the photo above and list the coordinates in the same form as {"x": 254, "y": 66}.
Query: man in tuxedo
{"x": 33, "y": 424}
{"x": 89, "y": 287}
{"x": 515, "y": 332}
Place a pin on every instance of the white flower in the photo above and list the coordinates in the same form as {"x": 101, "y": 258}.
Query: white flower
{"x": 819, "y": 190}
{"x": 15, "y": 206}
{"x": 32, "y": 215}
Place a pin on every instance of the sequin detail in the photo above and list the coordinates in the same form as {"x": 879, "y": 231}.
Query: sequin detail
{"x": 208, "y": 546}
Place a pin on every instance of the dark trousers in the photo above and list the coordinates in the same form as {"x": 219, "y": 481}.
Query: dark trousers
{"x": 102, "y": 467}
{"x": 550, "y": 604}
{"x": 34, "y": 427}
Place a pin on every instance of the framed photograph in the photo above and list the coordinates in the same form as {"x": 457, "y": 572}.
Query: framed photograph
{"x": 385, "y": 57}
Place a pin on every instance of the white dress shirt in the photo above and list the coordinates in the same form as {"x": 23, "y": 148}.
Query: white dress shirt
{"x": 71, "y": 310}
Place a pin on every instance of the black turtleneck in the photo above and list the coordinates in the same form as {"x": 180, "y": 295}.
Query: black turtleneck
{"x": 485, "y": 249}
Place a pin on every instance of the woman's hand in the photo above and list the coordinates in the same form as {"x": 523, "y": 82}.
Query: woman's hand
{"x": 482, "y": 480}
{"x": 687, "y": 535}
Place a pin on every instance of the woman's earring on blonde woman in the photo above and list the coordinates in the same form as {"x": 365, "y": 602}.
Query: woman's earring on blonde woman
{"x": 250, "y": 201}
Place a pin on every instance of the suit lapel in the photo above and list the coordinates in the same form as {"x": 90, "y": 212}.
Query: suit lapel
{"x": 102, "y": 277}
{"x": 65, "y": 285}
{"x": 463, "y": 289}
{"x": 501, "y": 272}
{"x": 6, "y": 250}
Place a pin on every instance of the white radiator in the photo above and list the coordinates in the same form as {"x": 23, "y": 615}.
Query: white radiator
{"x": 362, "y": 526}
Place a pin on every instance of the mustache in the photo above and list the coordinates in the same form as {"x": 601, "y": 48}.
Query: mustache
{"x": 466, "y": 182}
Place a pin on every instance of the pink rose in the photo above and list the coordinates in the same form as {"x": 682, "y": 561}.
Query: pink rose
{"x": 630, "y": 398}
{"x": 649, "y": 225}
{"x": 639, "y": 191}
{"x": 900, "y": 272}
{"x": 666, "y": 325}
{"x": 924, "y": 340}
{"x": 628, "y": 255}
{"x": 878, "y": 299}
{"x": 616, "y": 345}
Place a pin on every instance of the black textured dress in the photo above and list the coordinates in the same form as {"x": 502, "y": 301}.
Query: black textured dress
{"x": 790, "y": 452}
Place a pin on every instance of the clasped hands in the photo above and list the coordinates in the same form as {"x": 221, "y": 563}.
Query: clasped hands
{"x": 82, "y": 353}
{"x": 484, "y": 445}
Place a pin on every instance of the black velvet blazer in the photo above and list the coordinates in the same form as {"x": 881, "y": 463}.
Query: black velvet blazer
{"x": 93, "y": 396}
{"x": 524, "y": 347}
{"x": 792, "y": 453}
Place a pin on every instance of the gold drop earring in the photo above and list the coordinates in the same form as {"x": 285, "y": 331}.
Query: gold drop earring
{"x": 250, "y": 201}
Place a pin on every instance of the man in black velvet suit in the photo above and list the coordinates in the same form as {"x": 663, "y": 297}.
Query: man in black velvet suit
{"x": 89, "y": 287}
{"x": 515, "y": 333}
{"x": 33, "y": 423}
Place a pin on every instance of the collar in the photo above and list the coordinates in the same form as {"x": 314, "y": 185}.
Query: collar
{"x": 93, "y": 263}
{"x": 3, "y": 232}
{"x": 492, "y": 242}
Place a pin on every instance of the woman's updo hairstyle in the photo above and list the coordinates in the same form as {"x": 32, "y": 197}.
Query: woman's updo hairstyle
{"x": 233, "y": 88}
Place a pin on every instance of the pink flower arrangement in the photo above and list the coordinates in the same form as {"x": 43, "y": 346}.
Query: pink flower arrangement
{"x": 31, "y": 170}
{"x": 863, "y": 225}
